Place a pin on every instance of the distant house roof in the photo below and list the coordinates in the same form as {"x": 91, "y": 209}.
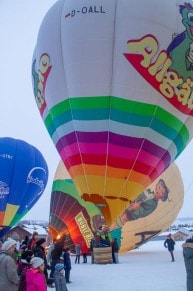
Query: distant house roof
{"x": 184, "y": 230}
{"x": 34, "y": 227}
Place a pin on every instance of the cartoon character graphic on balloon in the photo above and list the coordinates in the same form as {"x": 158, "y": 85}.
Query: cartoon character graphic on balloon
{"x": 183, "y": 42}
{"x": 145, "y": 204}
{"x": 174, "y": 80}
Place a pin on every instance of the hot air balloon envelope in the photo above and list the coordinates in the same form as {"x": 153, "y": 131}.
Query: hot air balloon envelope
{"x": 23, "y": 178}
{"x": 70, "y": 214}
{"x": 113, "y": 82}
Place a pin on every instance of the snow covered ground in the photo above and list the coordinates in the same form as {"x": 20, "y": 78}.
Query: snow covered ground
{"x": 148, "y": 268}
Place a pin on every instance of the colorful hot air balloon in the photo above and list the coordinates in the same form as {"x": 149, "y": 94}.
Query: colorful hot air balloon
{"x": 113, "y": 82}
{"x": 69, "y": 213}
{"x": 152, "y": 212}
{"x": 23, "y": 178}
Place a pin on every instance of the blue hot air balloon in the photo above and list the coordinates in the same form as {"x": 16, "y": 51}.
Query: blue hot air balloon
{"x": 23, "y": 178}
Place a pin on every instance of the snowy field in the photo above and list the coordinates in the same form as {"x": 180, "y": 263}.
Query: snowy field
{"x": 148, "y": 268}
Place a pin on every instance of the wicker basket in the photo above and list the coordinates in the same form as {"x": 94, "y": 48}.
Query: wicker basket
{"x": 103, "y": 255}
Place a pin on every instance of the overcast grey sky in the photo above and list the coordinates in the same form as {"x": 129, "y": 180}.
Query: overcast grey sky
{"x": 20, "y": 118}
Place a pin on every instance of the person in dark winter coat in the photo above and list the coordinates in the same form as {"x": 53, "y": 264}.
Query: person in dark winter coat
{"x": 188, "y": 260}
{"x": 115, "y": 250}
{"x": 23, "y": 266}
{"x": 92, "y": 245}
{"x": 25, "y": 242}
{"x": 39, "y": 251}
{"x": 59, "y": 279}
{"x": 169, "y": 244}
{"x": 56, "y": 256}
{"x": 67, "y": 264}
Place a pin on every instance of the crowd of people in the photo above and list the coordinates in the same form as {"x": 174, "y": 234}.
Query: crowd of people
{"x": 24, "y": 265}
{"x": 27, "y": 265}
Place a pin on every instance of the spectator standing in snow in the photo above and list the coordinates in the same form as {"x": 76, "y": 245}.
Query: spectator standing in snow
{"x": 92, "y": 245}
{"x": 35, "y": 278}
{"x": 169, "y": 244}
{"x": 78, "y": 251}
{"x": 9, "y": 279}
{"x": 84, "y": 252}
{"x": 188, "y": 260}
{"x": 115, "y": 250}
{"x": 56, "y": 256}
{"x": 67, "y": 264}
{"x": 59, "y": 279}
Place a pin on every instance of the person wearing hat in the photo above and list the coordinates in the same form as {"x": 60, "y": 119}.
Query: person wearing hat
{"x": 39, "y": 251}
{"x": 169, "y": 244}
{"x": 23, "y": 266}
{"x": 59, "y": 279}
{"x": 9, "y": 279}
{"x": 35, "y": 278}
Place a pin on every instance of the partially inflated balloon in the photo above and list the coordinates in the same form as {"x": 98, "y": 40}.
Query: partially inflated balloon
{"x": 69, "y": 213}
{"x": 152, "y": 212}
{"x": 113, "y": 82}
{"x": 23, "y": 178}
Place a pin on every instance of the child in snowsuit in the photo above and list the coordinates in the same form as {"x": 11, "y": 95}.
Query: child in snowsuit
{"x": 35, "y": 278}
{"x": 59, "y": 279}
